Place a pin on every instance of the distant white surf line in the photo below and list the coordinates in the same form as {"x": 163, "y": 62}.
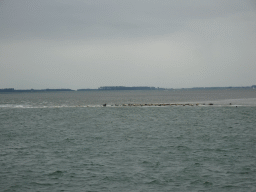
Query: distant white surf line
{"x": 17, "y": 106}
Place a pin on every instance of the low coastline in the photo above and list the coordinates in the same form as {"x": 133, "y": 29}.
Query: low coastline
{"x": 120, "y": 88}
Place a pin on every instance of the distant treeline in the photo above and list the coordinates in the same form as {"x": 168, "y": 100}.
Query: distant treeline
{"x": 112, "y": 88}
{"x": 33, "y": 90}
{"x": 126, "y": 88}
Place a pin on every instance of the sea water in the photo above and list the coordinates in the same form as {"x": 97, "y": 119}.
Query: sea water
{"x": 69, "y": 142}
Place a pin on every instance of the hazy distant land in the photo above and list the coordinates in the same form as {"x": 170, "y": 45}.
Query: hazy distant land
{"x": 115, "y": 88}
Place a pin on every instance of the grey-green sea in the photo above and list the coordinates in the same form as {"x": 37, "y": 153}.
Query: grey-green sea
{"x": 68, "y": 141}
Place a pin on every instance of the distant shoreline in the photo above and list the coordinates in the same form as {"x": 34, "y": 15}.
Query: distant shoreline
{"x": 119, "y": 88}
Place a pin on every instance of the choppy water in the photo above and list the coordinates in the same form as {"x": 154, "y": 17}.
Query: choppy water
{"x": 54, "y": 142}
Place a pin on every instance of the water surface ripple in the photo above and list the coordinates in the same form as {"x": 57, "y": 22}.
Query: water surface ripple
{"x": 128, "y": 149}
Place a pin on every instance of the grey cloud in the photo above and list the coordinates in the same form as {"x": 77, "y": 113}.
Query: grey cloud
{"x": 92, "y": 43}
{"x": 106, "y": 19}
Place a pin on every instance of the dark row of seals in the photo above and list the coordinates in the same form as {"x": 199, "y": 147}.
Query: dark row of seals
{"x": 157, "y": 104}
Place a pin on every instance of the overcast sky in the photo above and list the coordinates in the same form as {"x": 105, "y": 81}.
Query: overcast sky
{"x": 92, "y": 43}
